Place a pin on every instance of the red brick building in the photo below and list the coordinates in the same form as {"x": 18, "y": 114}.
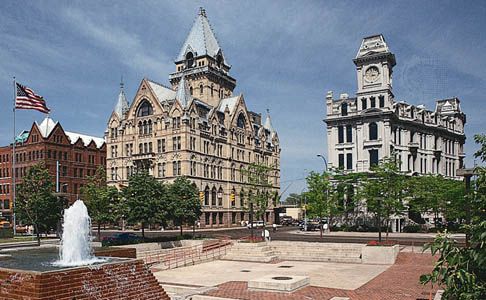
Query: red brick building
{"x": 78, "y": 155}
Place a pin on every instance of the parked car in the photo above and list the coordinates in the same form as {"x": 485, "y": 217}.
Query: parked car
{"x": 311, "y": 226}
{"x": 256, "y": 224}
{"x": 123, "y": 238}
{"x": 286, "y": 221}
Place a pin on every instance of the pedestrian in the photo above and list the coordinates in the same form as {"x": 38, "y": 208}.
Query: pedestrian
{"x": 274, "y": 226}
{"x": 198, "y": 224}
{"x": 325, "y": 227}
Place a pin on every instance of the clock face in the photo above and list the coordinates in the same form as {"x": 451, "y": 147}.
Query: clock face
{"x": 372, "y": 74}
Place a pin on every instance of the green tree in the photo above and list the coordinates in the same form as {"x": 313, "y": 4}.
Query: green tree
{"x": 260, "y": 195}
{"x": 35, "y": 202}
{"x": 462, "y": 270}
{"x": 384, "y": 191}
{"x": 322, "y": 200}
{"x": 185, "y": 204}
{"x": 293, "y": 199}
{"x": 146, "y": 200}
{"x": 101, "y": 200}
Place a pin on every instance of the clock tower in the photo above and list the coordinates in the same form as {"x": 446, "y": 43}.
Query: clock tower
{"x": 374, "y": 67}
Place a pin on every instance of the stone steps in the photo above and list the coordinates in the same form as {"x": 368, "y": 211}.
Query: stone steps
{"x": 255, "y": 252}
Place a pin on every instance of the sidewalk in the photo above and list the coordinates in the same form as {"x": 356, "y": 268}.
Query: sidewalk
{"x": 375, "y": 234}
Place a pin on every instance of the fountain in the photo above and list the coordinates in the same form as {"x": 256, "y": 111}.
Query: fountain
{"x": 75, "y": 247}
{"x": 73, "y": 271}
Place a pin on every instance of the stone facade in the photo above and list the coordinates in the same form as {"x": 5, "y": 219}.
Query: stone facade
{"x": 363, "y": 129}
{"x": 78, "y": 155}
{"x": 372, "y": 125}
{"x": 196, "y": 128}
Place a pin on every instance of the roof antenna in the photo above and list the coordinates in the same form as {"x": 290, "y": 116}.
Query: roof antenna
{"x": 121, "y": 82}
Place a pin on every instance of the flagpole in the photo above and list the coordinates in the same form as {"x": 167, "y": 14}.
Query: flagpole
{"x": 13, "y": 158}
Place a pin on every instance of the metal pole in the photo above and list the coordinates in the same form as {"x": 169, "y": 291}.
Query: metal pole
{"x": 13, "y": 160}
{"x": 57, "y": 176}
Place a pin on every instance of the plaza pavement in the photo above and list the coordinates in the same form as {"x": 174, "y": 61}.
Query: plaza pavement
{"x": 327, "y": 280}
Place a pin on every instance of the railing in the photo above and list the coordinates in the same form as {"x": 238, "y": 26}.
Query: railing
{"x": 173, "y": 258}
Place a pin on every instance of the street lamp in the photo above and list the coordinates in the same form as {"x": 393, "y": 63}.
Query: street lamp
{"x": 324, "y": 159}
{"x": 327, "y": 192}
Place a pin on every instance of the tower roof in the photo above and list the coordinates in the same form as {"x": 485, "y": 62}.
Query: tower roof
{"x": 201, "y": 39}
{"x": 183, "y": 95}
{"x": 371, "y": 45}
{"x": 46, "y": 126}
{"x": 122, "y": 104}
{"x": 268, "y": 123}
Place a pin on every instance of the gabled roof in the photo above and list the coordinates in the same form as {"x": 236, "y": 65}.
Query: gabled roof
{"x": 86, "y": 139}
{"x": 46, "y": 127}
{"x": 183, "y": 94}
{"x": 121, "y": 106}
{"x": 162, "y": 92}
{"x": 230, "y": 102}
{"x": 201, "y": 39}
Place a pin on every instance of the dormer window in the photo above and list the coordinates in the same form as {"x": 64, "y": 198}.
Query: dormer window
{"x": 145, "y": 109}
{"x": 219, "y": 60}
{"x": 241, "y": 121}
{"x": 189, "y": 60}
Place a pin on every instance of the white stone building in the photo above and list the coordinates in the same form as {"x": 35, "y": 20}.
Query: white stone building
{"x": 363, "y": 129}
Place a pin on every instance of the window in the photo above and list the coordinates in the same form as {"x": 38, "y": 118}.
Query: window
{"x": 349, "y": 161}
{"x": 206, "y": 197}
{"x": 145, "y": 109}
{"x": 382, "y": 101}
{"x": 189, "y": 60}
{"x": 373, "y": 130}
{"x": 161, "y": 169}
{"x": 349, "y": 134}
{"x": 372, "y": 102}
{"x": 344, "y": 109}
{"x": 373, "y": 157}
{"x": 341, "y": 161}
{"x": 340, "y": 134}
{"x": 363, "y": 103}
{"x": 201, "y": 89}
{"x": 241, "y": 121}
{"x": 213, "y": 196}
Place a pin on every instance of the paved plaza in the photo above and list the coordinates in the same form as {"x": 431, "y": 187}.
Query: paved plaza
{"x": 327, "y": 280}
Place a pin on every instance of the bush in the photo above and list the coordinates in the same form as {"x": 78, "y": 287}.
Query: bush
{"x": 412, "y": 228}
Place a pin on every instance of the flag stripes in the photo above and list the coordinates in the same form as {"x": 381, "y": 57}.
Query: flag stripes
{"x": 26, "y": 98}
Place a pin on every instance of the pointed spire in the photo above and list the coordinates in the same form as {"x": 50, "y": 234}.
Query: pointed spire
{"x": 268, "y": 123}
{"x": 201, "y": 39}
{"x": 183, "y": 94}
{"x": 121, "y": 106}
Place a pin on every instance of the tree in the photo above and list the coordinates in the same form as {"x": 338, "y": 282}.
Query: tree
{"x": 293, "y": 199}
{"x": 436, "y": 194}
{"x": 259, "y": 196}
{"x": 384, "y": 191}
{"x": 320, "y": 197}
{"x": 35, "y": 202}
{"x": 462, "y": 270}
{"x": 146, "y": 200}
{"x": 185, "y": 204}
{"x": 101, "y": 200}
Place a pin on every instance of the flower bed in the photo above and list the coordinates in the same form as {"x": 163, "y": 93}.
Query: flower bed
{"x": 382, "y": 243}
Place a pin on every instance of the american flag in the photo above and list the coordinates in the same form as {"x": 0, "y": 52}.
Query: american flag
{"x": 27, "y": 99}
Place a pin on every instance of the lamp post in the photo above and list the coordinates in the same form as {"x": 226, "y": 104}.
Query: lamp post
{"x": 327, "y": 192}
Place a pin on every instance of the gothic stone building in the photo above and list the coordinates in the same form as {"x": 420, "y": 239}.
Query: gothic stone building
{"x": 70, "y": 156}
{"x": 363, "y": 129}
{"x": 196, "y": 128}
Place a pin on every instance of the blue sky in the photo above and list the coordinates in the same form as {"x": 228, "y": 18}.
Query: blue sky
{"x": 285, "y": 56}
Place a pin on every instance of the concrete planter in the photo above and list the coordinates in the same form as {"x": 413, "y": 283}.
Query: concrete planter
{"x": 380, "y": 255}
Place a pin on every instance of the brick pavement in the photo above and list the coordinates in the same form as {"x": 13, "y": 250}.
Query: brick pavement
{"x": 399, "y": 282}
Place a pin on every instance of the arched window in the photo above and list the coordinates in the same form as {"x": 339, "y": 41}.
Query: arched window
{"x": 145, "y": 109}
{"x": 373, "y": 128}
{"x": 220, "y": 196}
{"x": 190, "y": 90}
{"x": 189, "y": 60}
{"x": 241, "y": 121}
{"x": 140, "y": 128}
{"x": 344, "y": 109}
{"x": 201, "y": 89}
{"x": 145, "y": 127}
{"x": 213, "y": 196}
{"x": 206, "y": 196}
{"x": 150, "y": 127}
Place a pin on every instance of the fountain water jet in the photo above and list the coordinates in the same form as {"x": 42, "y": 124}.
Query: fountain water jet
{"x": 75, "y": 249}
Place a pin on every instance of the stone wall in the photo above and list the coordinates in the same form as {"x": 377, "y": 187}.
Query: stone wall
{"x": 116, "y": 252}
{"x": 121, "y": 280}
